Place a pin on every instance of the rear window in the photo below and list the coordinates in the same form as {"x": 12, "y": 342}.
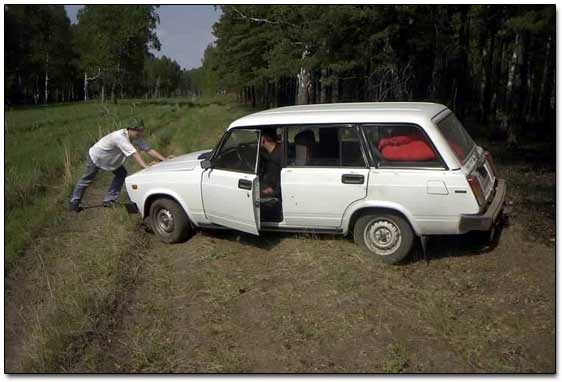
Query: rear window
{"x": 460, "y": 142}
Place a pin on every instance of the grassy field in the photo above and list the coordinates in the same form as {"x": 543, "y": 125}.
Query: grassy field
{"x": 45, "y": 146}
{"x": 93, "y": 292}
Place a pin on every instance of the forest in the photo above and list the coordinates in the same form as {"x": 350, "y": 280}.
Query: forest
{"x": 105, "y": 55}
{"x": 493, "y": 64}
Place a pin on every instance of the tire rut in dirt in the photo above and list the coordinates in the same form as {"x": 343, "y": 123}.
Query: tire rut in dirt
{"x": 63, "y": 261}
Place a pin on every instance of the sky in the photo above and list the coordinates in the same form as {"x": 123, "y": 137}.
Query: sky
{"x": 184, "y": 31}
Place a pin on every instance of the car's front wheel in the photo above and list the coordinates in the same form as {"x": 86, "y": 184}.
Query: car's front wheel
{"x": 387, "y": 236}
{"x": 169, "y": 221}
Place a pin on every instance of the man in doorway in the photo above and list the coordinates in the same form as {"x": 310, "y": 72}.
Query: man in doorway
{"x": 109, "y": 154}
{"x": 271, "y": 169}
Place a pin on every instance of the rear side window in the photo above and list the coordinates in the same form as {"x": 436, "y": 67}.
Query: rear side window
{"x": 401, "y": 145}
{"x": 458, "y": 139}
{"x": 324, "y": 146}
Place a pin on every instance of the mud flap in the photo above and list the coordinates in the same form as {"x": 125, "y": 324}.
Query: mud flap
{"x": 146, "y": 224}
{"x": 423, "y": 241}
{"x": 131, "y": 208}
{"x": 501, "y": 222}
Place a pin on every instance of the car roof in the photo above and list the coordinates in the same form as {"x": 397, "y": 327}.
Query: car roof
{"x": 361, "y": 112}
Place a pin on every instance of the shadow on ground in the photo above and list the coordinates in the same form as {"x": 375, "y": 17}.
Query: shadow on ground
{"x": 438, "y": 247}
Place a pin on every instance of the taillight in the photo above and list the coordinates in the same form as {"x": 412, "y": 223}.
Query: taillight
{"x": 476, "y": 189}
{"x": 491, "y": 163}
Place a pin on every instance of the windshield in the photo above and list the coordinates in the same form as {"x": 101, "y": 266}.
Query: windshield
{"x": 460, "y": 142}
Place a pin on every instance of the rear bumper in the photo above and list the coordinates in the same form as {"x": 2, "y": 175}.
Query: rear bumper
{"x": 485, "y": 221}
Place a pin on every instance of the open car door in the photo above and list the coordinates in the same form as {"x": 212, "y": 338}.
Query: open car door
{"x": 230, "y": 188}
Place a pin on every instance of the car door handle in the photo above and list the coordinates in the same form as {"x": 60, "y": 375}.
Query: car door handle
{"x": 244, "y": 184}
{"x": 352, "y": 179}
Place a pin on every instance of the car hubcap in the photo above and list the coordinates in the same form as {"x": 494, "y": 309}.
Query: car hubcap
{"x": 164, "y": 221}
{"x": 383, "y": 237}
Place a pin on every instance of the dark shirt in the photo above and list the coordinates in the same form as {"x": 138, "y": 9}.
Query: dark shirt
{"x": 271, "y": 170}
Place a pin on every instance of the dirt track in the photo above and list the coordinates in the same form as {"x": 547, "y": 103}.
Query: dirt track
{"x": 229, "y": 302}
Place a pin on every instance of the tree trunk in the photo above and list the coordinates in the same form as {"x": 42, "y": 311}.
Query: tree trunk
{"x": 46, "y": 86}
{"x": 335, "y": 89}
{"x": 530, "y": 89}
{"x": 497, "y": 88}
{"x": 512, "y": 73}
{"x": 274, "y": 90}
{"x": 36, "y": 93}
{"x": 267, "y": 92}
{"x": 113, "y": 89}
{"x": 516, "y": 90}
{"x": 462, "y": 86}
{"x": 437, "y": 72}
{"x": 47, "y": 79}
{"x": 21, "y": 89}
{"x": 488, "y": 59}
{"x": 157, "y": 88}
{"x": 303, "y": 81}
{"x": 546, "y": 80}
{"x": 85, "y": 86}
{"x": 253, "y": 96}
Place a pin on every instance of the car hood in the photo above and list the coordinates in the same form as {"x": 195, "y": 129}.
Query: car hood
{"x": 185, "y": 162}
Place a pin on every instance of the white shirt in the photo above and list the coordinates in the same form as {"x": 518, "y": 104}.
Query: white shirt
{"x": 110, "y": 152}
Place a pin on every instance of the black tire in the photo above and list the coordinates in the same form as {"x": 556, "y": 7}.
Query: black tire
{"x": 371, "y": 232}
{"x": 169, "y": 221}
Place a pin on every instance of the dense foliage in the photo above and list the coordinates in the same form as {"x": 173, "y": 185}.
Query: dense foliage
{"x": 106, "y": 55}
{"x": 495, "y": 62}
{"x": 37, "y": 53}
{"x": 491, "y": 63}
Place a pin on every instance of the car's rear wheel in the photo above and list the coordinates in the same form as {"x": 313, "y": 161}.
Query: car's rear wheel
{"x": 388, "y": 237}
{"x": 169, "y": 221}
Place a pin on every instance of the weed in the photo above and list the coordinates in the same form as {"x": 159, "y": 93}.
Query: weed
{"x": 395, "y": 358}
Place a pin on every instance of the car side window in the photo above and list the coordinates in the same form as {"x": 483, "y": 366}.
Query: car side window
{"x": 401, "y": 145}
{"x": 324, "y": 146}
{"x": 238, "y": 151}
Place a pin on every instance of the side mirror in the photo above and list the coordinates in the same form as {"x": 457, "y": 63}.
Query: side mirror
{"x": 206, "y": 163}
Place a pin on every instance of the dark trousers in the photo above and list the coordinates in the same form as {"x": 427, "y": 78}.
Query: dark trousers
{"x": 88, "y": 177}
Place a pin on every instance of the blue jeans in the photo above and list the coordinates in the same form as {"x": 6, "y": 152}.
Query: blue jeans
{"x": 89, "y": 176}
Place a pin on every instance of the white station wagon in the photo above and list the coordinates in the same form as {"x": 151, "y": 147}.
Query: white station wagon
{"x": 387, "y": 173}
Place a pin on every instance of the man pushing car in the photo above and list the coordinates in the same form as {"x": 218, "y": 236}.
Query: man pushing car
{"x": 109, "y": 154}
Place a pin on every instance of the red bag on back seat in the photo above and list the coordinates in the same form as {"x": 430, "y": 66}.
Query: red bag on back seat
{"x": 395, "y": 141}
{"x": 409, "y": 149}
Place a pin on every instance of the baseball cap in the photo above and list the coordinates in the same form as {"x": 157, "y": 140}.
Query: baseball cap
{"x": 134, "y": 123}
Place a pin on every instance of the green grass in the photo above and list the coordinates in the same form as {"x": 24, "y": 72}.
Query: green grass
{"x": 45, "y": 148}
{"x": 395, "y": 358}
{"x": 86, "y": 291}
{"x": 84, "y": 288}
